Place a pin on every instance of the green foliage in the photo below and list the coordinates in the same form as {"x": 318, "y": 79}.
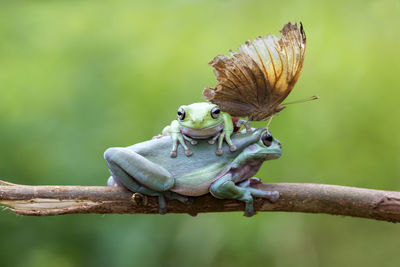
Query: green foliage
{"x": 77, "y": 77}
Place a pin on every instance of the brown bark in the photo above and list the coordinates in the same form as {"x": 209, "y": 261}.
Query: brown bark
{"x": 312, "y": 198}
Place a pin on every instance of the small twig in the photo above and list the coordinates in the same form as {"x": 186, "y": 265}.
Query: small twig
{"x": 312, "y": 198}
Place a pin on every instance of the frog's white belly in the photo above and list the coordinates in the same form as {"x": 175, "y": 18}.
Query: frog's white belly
{"x": 197, "y": 183}
{"x": 202, "y": 133}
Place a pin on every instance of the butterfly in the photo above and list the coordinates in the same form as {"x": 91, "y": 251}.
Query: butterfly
{"x": 254, "y": 81}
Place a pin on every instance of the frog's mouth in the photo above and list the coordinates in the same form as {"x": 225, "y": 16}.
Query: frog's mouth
{"x": 275, "y": 155}
{"x": 203, "y": 133}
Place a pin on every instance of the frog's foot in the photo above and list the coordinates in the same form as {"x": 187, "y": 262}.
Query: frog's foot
{"x": 162, "y": 204}
{"x": 168, "y": 195}
{"x": 272, "y": 196}
{"x": 181, "y": 198}
{"x": 214, "y": 139}
{"x": 232, "y": 148}
{"x": 172, "y": 154}
{"x": 249, "y": 210}
{"x": 112, "y": 182}
{"x": 191, "y": 140}
{"x": 188, "y": 152}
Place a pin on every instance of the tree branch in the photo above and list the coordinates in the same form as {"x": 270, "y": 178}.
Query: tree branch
{"x": 311, "y": 198}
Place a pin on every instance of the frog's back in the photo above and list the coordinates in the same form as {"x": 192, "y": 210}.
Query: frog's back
{"x": 193, "y": 175}
{"x": 158, "y": 151}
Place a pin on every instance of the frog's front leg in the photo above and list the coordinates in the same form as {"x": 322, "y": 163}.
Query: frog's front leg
{"x": 272, "y": 196}
{"x": 176, "y": 136}
{"x": 226, "y": 134}
{"x": 225, "y": 188}
{"x": 138, "y": 174}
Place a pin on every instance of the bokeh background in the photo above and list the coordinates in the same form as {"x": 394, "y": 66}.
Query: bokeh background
{"x": 77, "y": 77}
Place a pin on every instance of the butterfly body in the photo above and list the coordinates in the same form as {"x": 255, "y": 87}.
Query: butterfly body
{"x": 254, "y": 81}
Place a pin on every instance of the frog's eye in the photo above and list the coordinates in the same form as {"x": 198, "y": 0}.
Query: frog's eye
{"x": 267, "y": 139}
{"x": 215, "y": 111}
{"x": 181, "y": 114}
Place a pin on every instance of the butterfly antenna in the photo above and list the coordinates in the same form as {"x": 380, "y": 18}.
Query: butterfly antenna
{"x": 268, "y": 123}
{"x": 314, "y": 97}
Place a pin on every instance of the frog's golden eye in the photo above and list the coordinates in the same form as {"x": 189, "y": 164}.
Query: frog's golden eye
{"x": 267, "y": 139}
{"x": 181, "y": 114}
{"x": 215, "y": 111}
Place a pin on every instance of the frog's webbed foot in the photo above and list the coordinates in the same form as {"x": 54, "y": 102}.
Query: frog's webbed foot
{"x": 163, "y": 197}
{"x": 162, "y": 204}
{"x": 212, "y": 140}
{"x": 249, "y": 209}
{"x": 272, "y": 196}
{"x": 112, "y": 182}
{"x": 191, "y": 140}
{"x": 184, "y": 199}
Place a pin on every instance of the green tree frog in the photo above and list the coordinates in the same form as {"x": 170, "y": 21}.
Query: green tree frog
{"x": 148, "y": 169}
{"x": 200, "y": 121}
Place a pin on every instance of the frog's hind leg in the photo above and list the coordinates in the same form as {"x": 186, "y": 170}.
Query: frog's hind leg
{"x": 140, "y": 175}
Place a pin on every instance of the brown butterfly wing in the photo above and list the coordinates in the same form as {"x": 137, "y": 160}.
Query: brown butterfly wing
{"x": 253, "y": 82}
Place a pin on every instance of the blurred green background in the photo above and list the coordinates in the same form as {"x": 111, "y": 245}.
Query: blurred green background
{"x": 77, "y": 77}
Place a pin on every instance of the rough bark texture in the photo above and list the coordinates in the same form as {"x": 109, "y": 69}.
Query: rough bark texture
{"x": 312, "y": 198}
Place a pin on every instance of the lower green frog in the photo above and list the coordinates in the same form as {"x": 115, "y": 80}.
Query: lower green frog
{"x": 147, "y": 168}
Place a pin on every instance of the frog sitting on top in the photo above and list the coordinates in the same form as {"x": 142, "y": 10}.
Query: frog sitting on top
{"x": 200, "y": 121}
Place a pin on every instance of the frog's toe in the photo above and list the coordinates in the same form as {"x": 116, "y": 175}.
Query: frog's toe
{"x": 232, "y": 148}
{"x": 219, "y": 152}
{"x": 193, "y": 142}
{"x": 273, "y": 196}
{"x": 211, "y": 141}
{"x": 172, "y": 154}
{"x": 188, "y": 152}
{"x": 162, "y": 210}
{"x": 162, "y": 204}
{"x": 249, "y": 210}
{"x": 189, "y": 201}
{"x": 112, "y": 182}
